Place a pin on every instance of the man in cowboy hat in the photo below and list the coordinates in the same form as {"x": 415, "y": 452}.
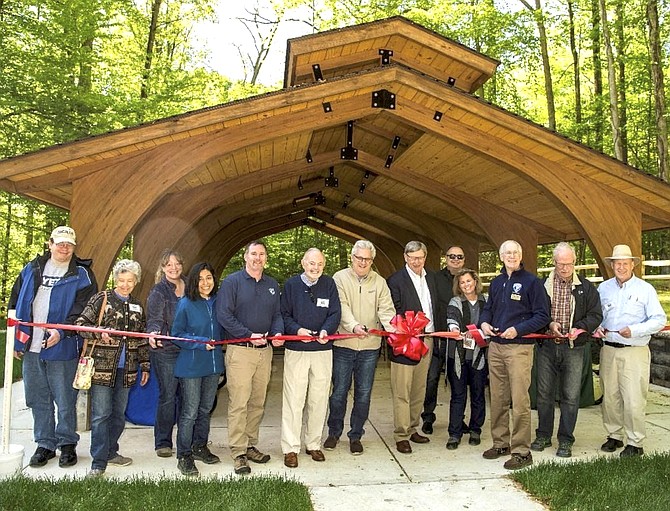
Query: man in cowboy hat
{"x": 631, "y": 313}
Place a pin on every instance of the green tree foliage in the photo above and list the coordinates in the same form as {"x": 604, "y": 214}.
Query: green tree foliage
{"x": 285, "y": 251}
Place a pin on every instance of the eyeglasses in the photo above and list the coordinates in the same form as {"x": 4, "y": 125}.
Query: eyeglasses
{"x": 64, "y": 244}
{"x": 364, "y": 260}
{"x": 460, "y": 257}
{"x": 564, "y": 265}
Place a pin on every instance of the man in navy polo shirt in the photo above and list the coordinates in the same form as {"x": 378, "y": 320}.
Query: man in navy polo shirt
{"x": 247, "y": 307}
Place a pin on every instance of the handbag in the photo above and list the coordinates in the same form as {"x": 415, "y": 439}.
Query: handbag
{"x": 86, "y": 366}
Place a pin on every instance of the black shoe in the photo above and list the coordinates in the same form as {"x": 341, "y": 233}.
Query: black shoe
{"x": 187, "y": 467}
{"x": 631, "y": 451}
{"x": 611, "y": 445}
{"x": 202, "y": 453}
{"x": 427, "y": 428}
{"x": 330, "y": 443}
{"x": 452, "y": 443}
{"x": 41, "y": 456}
{"x": 475, "y": 438}
{"x": 68, "y": 456}
{"x": 355, "y": 447}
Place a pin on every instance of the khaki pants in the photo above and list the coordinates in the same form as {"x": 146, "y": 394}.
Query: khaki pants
{"x": 408, "y": 388}
{"x": 509, "y": 375}
{"x": 248, "y": 371}
{"x": 307, "y": 376}
{"x": 624, "y": 377}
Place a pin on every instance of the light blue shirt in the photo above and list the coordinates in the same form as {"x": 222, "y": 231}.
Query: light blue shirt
{"x": 634, "y": 305}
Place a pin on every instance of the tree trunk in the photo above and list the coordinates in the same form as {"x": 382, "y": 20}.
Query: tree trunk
{"x": 597, "y": 131}
{"x": 544, "y": 48}
{"x": 4, "y": 298}
{"x": 621, "y": 62}
{"x": 151, "y": 41}
{"x": 611, "y": 81}
{"x": 575, "y": 65}
{"x": 658, "y": 89}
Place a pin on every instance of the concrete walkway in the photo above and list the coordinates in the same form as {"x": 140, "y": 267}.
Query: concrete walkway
{"x": 431, "y": 478}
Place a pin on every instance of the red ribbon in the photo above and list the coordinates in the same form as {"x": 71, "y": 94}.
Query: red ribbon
{"x": 406, "y": 338}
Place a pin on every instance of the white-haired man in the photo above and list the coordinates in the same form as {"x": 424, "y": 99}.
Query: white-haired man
{"x": 517, "y": 306}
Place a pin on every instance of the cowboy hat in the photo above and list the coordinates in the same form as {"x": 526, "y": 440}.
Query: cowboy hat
{"x": 622, "y": 252}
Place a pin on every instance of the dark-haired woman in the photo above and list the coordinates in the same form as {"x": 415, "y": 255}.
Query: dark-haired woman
{"x": 466, "y": 361}
{"x": 198, "y": 366}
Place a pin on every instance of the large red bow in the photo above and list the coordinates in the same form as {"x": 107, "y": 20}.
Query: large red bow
{"x": 405, "y": 340}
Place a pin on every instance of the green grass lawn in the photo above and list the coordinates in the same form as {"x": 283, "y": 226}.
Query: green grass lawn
{"x": 243, "y": 494}
{"x": 612, "y": 484}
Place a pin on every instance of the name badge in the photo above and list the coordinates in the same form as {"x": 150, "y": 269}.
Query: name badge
{"x": 468, "y": 343}
{"x": 134, "y": 307}
{"x": 322, "y": 302}
{"x": 516, "y": 297}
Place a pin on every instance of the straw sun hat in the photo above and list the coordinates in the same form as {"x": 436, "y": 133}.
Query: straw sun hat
{"x": 622, "y": 252}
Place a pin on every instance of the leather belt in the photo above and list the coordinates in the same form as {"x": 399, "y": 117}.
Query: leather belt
{"x": 616, "y": 344}
{"x": 250, "y": 345}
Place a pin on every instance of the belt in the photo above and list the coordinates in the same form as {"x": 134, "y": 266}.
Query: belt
{"x": 616, "y": 344}
{"x": 561, "y": 340}
{"x": 250, "y": 345}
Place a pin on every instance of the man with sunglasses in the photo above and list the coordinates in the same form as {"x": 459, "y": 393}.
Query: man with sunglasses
{"x": 310, "y": 306}
{"x": 444, "y": 280}
{"x": 366, "y": 303}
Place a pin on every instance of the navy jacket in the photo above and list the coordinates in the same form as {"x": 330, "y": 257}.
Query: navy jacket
{"x": 161, "y": 305}
{"x": 196, "y": 320}
{"x": 405, "y": 298}
{"x": 518, "y": 301}
{"x": 314, "y": 308}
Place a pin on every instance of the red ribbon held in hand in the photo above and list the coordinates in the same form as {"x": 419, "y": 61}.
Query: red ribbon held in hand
{"x": 405, "y": 340}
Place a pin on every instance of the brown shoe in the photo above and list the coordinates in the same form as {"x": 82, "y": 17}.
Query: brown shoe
{"x": 330, "y": 443}
{"x": 495, "y": 452}
{"x": 257, "y": 456}
{"x": 419, "y": 439}
{"x": 517, "y": 461}
{"x": 316, "y": 455}
{"x": 403, "y": 447}
{"x": 291, "y": 459}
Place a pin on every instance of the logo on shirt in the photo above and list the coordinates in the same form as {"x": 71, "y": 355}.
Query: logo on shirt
{"x": 272, "y": 290}
{"x": 517, "y": 287}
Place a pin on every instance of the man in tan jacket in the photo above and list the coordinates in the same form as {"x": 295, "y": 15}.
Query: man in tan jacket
{"x": 366, "y": 303}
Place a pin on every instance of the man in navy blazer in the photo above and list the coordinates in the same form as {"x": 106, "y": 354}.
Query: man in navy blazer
{"x": 412, "y": 289}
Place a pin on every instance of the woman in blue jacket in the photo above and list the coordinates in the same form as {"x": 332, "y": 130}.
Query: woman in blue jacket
{"x": 198, "y": 366}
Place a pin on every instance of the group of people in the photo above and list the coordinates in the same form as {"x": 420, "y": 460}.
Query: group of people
{"x": 495, "y": 340}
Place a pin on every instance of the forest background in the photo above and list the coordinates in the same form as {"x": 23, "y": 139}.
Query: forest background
{"x": 592, "y": 70}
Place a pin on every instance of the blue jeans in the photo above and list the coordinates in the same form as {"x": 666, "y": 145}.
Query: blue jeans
{"x": 197, "y": 400}
{"x": 48, "y": 383}
{"x": 433, "y": 380}
{"x": 558, "y": 366}
{"x": 348, "y": 364}
{"x": 167, "y": 411}
{"x": 108, "y": 407}
{"x": 475, "y": 380}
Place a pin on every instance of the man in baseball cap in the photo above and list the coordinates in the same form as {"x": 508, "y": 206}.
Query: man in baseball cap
{"x": 52, "y": 288}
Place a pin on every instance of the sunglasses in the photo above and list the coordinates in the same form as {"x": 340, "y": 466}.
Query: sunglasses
{"x": 456, "y": 256}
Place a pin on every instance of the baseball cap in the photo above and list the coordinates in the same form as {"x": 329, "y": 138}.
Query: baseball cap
{"x": 64, "y": 234}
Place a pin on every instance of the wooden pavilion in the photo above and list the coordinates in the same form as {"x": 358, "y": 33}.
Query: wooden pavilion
{"x": 377, "y": 134}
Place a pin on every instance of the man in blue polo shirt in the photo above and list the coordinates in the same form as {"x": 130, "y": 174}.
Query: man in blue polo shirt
{"x": 247, "y": 307}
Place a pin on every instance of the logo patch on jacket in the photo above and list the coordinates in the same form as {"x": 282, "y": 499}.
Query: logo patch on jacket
{"x": 272, "y": 290}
